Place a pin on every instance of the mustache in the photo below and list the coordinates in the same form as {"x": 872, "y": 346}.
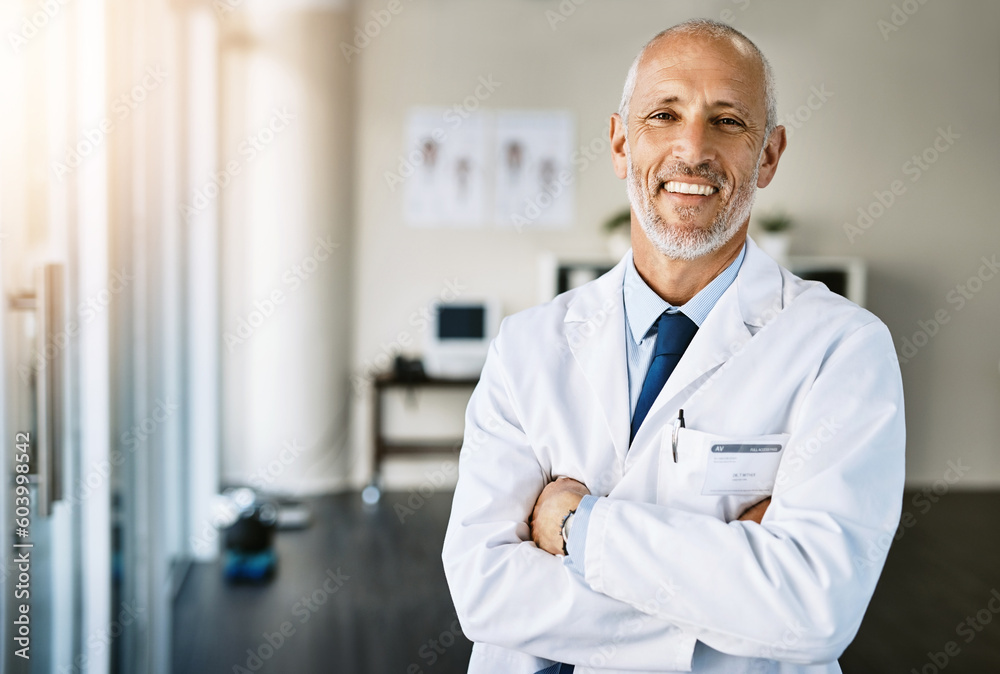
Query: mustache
{"x": 677, "y": 170}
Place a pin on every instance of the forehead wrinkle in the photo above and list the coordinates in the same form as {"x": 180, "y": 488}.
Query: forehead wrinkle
{"x": 682, "y": 66}
{"x": 689, "y": 65}
{"x": 655, "y": 94}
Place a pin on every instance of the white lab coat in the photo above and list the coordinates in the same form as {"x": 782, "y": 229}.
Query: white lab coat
{"x": 673, "y": 581}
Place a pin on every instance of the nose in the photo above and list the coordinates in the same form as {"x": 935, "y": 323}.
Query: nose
{"x": 692, "y": 144}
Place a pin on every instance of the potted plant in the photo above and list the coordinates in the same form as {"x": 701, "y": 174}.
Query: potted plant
{"x": 618, "y": 229}
{"x": 775, "y": 237}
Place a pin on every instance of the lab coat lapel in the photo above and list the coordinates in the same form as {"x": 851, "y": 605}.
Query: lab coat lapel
{"x": 595, "y": 333}
{"x": 753, "y": 299}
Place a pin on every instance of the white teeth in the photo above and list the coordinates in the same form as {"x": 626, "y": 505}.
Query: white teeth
{"x": 690, "y": 188}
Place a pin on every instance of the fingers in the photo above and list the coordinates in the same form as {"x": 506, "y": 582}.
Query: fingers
{"x": 557, "y": 498}
{"x": 570, "y": 483}
{"x": 548, "y": 514}
{"x": 537, "y": 528}
{"x": 755, "y": 513}
{"x": 562, "y": 484}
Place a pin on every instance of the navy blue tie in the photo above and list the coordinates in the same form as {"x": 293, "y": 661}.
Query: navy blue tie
{"x": 673, "y": 334}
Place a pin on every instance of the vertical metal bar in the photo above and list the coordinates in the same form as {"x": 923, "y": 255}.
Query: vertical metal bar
{"x": 50, "y": 308}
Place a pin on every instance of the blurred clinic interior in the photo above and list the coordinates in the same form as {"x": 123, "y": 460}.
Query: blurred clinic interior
{"x": 253, "y": 252}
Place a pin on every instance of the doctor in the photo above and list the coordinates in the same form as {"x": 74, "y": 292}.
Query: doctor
{"x": 695, "y": 462}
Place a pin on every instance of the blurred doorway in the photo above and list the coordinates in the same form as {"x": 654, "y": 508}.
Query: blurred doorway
{"x": 54, "y": 327}
{"x": 109, "y": 324}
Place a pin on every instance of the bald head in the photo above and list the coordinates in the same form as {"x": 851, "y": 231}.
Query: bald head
{"x": 716, "y": 31}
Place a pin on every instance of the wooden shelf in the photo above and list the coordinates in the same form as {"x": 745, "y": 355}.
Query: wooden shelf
{"x": 384, "y": 447}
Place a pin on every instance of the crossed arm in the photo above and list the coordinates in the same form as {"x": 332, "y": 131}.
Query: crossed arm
{"x": 808, "y": 571}
{"x": 562, "y": 496}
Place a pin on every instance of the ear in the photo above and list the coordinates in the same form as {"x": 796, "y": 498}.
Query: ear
{"x": 772, "y": 153}
{"x": 618, "y": 146}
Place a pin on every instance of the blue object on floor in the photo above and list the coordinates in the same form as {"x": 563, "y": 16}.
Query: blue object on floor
{"x": 252, "y": 566}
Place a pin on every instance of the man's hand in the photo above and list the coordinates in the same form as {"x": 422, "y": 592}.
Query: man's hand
{"x": 754, "y": 513}
{"x": 553, "y": 504}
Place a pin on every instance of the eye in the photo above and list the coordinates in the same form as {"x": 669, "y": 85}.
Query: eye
{"x": 662, "y": 116}
{"x": 729, "y": 121}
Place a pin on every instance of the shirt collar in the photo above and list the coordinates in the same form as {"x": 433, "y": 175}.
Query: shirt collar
{"x": 643, "y": 306}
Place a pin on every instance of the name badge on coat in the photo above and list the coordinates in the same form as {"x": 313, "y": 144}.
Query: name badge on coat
{"x": 719, "y": 475}
{"x": 741, "y": 468}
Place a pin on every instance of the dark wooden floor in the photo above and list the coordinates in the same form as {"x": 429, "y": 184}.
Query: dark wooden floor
{"x": 942, "y": 571}
{"x": 388, "y": 610}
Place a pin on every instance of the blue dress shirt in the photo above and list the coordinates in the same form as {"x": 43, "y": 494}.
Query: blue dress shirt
{"x": 642, "y": 309}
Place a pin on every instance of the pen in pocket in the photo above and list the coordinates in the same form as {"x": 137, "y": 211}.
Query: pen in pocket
{"x": 678, "y": 425}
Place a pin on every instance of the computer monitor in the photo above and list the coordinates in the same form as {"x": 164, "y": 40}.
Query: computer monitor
{"x": 843, "y": 275}
{"x": 459, "y": 338}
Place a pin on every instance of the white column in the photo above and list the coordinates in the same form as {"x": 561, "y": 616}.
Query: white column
{"x": 202, "y": 301}
{"x": 94, "y": 383}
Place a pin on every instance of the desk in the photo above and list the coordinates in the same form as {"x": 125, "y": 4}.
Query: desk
{"x": 383, "y": 447}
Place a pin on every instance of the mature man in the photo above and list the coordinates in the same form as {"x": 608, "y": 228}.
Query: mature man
{"x": 695, "y": 462}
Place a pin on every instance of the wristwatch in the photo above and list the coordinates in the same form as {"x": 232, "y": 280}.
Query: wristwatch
{"x": 564, "y": 529}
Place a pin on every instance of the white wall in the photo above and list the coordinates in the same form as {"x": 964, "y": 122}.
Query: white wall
{"x": 889, "y": 96}
{"x": 287, "y": 121}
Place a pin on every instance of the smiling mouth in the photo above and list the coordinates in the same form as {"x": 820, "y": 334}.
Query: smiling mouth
{"x": 677, "y": 187}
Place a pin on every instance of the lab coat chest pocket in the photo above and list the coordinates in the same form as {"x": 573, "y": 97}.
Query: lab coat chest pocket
{"x": 717, "y": 475}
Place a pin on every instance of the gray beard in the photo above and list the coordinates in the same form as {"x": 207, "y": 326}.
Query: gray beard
{"x": 689, "y": 242}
